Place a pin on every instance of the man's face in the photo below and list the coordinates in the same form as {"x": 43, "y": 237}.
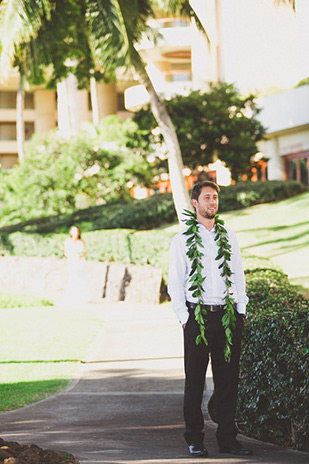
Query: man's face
{"x": 207, "y": 204}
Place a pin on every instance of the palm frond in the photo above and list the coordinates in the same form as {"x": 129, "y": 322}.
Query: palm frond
{"x": 287, "y": 2}
{"x": 185, "y": 9}
{"x": 115, "y": 26}
{"x": 106, "y": 39}
{"x": 134, "y": 24}
{"x": 19, "y": 21}
{"x": 12, "y": 29}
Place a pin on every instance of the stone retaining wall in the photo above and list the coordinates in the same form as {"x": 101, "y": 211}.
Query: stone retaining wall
{"x": 48, "y": 278}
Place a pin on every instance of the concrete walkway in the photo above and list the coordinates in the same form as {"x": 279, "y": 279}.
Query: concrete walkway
{"x": 126, "y": 404}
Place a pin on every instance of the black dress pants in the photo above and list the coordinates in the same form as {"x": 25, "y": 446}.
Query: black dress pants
{"x": 225, "y": 377}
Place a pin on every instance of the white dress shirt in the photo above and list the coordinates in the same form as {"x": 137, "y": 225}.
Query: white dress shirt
{"x": 214, "y": 287}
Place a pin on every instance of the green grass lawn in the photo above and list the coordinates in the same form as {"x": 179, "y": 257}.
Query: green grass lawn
{"x": 40, "y": 349}
{"x": 279, "y": 231}
{"x": 8, "y": 300}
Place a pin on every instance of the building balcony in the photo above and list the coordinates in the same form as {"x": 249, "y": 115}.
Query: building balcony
{"x": 170, "y": 39}
{"x": 137, "y": 96}
{"x": 10, "y": 115}
{"x": 170, "y": 89}
{"x": 8, "y": 146}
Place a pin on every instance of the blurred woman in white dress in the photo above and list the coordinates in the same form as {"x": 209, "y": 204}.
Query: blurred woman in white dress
{"x": 75, "y": 252}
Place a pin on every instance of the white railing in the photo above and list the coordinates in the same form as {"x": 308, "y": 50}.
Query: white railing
{"x": 137, "y": 96}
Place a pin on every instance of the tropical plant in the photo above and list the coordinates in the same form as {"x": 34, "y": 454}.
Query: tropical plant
{"x": 219, "y": 123}
{"x": 59, "y": 175}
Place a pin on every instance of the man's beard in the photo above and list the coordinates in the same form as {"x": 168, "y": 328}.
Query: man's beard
{"x": 210, "y": 216}
{"x": 207, "y": 215}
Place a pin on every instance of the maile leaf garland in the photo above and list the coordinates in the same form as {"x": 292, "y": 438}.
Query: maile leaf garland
{"x": 196, "y": 279}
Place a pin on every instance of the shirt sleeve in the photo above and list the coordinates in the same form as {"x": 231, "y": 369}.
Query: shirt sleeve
{"x": 239, "y": 276}
{"x": 176, "y": 278}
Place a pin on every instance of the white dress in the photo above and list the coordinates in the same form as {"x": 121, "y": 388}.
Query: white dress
{"x": 77, "y": 291}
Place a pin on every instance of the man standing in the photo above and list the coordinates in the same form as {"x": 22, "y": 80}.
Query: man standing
{"x": 184, "y": 301}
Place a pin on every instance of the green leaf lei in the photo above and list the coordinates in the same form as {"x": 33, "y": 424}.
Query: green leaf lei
{"x": 196, "y": 278}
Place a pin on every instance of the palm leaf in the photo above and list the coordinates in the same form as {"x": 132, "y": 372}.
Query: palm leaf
{"x": 13, "y": 23}
{"x": 19, "y": 22}
{"x": 185, "y": 9}
{"x": 289, "y": 2}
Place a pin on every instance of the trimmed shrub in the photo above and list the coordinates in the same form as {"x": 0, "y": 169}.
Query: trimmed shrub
{"x": 120, "y": 245}
{"x": 244, "y": 194}
{"x": 154, "y": 211}
{"x": 145, "y": 214}
{"x": 274, "y": 363}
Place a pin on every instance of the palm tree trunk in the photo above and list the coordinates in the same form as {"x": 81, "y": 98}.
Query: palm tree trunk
{"x": 20, "y": 126}
{"x": 175, "y": 164}
{"x": 94, "y": 101}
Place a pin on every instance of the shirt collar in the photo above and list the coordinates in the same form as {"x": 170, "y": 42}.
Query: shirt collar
{"x": 203, "y": 228}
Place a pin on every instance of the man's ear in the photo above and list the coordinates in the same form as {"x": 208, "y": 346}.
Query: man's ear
{"x": 194, "y": 203}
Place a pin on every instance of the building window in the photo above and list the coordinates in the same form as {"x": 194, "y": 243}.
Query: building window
{"x": 29, "y": 129}
{"x": 292, "y": 170}
{"x": 173, "y": 22}
{"x": 7, "y": 130}
{"x": 89, "y": 102}
{"x": 179, "y": 72}
{"x": 29, "y": 100}
{"x": 178, "y": 77}
{"x": 120, "y": 101}
{"x": 8, "y": 100}
{"x": 7, "y": 160}
{"x": 297, "y": 167}
{"x": 176, "y": 23}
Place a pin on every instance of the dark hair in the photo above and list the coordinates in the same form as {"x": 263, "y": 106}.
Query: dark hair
{"x": 200, "y": 185}
{"x": 79, "y": 233}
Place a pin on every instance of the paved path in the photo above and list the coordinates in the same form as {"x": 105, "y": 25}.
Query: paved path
{"x": 126, "y": 405}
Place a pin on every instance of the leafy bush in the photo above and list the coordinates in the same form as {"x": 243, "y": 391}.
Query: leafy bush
{"x": 122, "y": 245}
{"x": 220, "y": 121}
{"x": 155, "y": 211}
{"x": 244, "y": 194}
{"x": 138, "y": 214}
{"x": 274, "y": 364}
{"x": 59, "y": 175}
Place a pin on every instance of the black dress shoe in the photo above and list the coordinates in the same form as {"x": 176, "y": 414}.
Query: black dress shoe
{"x": 235, "y": 448}
{"x": 198, "y": 450}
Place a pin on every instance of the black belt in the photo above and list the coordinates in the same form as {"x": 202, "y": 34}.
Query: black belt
{"x": 211, "y": 308}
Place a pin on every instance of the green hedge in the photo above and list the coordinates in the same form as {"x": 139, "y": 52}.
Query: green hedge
{"x": 155, "y": 211}
{"x": 274, "y": 364}
{"x": 244, "y": 194}
{"x": 120, "y": 245}
{"x": 144, "y": 214}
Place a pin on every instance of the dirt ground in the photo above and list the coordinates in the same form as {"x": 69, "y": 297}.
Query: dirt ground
{"x": 12, "y": 452}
